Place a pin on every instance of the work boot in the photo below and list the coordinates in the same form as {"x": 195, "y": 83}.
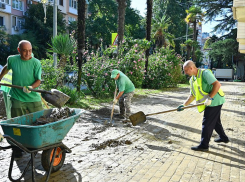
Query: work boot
{"x": 199, "y": 148}
{"x": 219, "y": 140}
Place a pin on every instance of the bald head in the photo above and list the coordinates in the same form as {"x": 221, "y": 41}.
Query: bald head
{"x": 189, "y": 63}
{"x": 21, "y": 43}
{"x": 25, "y": 50}
{"x": 190, "y": 68}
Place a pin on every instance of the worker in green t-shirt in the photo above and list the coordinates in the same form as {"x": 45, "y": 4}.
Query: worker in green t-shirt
{"x": 26, "y": 72}
{"x": 126, "y": 91}
{"x": 205, "y": 88}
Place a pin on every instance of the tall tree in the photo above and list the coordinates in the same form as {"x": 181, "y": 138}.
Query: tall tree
{"x": 194, "y": 16}
{"x": 160, "y": 32}
{"x": 121, "y": 19}
{"x": 222, "y": 51}
{"x": 42, "y": 31}
{"x": 221, "y": 9}
{"x": 148, "y": 29}
{"x": 175, "y": 10}
{"x": 81, "y": 9}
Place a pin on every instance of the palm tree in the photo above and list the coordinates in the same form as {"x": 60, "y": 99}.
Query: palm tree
{"x": 148, "y": 30}
{"x": 159, "y": 32}
{"x": 81, "y": 9}
{"x": 194, "y": 16}
{"x": 121, "y": 19}
{"x": 63, "y": 45}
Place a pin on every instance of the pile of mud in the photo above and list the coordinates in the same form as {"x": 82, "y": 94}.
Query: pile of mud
{"x": 102, "y": 112}
{"x": 110, "y": 143}
{"x": 56, "y": 115}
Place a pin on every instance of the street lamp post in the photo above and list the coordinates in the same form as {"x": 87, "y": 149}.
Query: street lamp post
{"x": 55, "y": 29}
{"x": 45, "y": 3}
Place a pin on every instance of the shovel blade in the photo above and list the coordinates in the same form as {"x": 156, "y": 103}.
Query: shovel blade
{"x": 137, "y": 118}
{"x": 56, "y": 98}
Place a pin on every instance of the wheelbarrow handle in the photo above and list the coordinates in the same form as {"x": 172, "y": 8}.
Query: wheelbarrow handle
{"x": 20, "y": 87}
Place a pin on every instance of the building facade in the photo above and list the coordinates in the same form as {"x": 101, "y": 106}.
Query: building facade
{"x": 239, "y": 15}
{"x": 12, "y": 12}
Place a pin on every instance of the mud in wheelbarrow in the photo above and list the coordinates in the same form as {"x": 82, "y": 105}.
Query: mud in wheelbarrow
{"x": 20, "y": 133}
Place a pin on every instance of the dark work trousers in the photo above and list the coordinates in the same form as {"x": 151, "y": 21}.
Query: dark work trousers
{"x": 211, "y": 121}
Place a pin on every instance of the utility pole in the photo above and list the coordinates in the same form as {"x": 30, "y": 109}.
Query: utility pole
{"x": 55, "y": 29}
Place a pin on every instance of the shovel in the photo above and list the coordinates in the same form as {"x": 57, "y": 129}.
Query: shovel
{"x": 54, "y": 97}
{"x": 140, "y": 117}
{"x": 115, "y": 94}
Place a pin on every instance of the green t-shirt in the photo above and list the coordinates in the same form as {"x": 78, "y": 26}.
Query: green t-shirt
{"x": 124, "y": 83}
{"x": 207, "y": 80}
{"x": 25, "y": 73}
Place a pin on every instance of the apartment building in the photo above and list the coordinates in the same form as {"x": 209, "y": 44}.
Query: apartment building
{"x": 239, "y": 15}
{"x": 12, "y": 11}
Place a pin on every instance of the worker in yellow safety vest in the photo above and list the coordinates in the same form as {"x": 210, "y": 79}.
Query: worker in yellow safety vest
{"x": 205, "y": 88}
{"x": 8, "y": 80}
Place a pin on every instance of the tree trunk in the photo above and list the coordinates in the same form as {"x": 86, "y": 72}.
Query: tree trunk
{"x": 121, "y": 19}
{"x": 148, "y": 32}
{"x": 81, "y": 8}
{"x": 194, "y": 39}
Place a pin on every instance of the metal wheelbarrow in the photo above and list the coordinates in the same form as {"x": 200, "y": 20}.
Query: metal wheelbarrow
{"x": 20, "y": 133}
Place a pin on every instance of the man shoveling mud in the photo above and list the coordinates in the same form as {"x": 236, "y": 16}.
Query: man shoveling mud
{"x": 27, "y": 73}
{"x": 126, "y": 91}
{"x": 205, "y": 88}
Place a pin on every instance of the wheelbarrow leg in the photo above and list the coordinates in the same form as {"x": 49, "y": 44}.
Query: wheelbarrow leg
{"x": 33, "y": 167}
{"x": 51, "y": 164}
{"x": 11, "y": 168}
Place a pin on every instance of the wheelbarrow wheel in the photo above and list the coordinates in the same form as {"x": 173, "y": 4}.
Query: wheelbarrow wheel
{"x": 58, "y": 160}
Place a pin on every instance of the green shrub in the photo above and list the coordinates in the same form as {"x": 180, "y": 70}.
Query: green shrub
{"x": 164, "y": 69}
{"x": 74, "y": 95}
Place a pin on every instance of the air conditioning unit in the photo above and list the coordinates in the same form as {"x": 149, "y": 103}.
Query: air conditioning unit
{"x": 3, "y": 6}
{"x": 16, "y": 28}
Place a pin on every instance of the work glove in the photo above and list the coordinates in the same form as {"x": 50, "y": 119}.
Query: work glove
{"x": 1, "y": 137}
{"x": 180, "y": 107}
{"x": 208, "y": 101}
{"x": 115, "y": 101}
{"x": 26, "y": 89}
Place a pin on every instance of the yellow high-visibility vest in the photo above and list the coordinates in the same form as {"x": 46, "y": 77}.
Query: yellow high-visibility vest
{"x": 197, "y": 91}
{"x": 7, "y": 78}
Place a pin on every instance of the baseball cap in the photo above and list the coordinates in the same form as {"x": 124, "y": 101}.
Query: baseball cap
{"x": 114, "y": 73}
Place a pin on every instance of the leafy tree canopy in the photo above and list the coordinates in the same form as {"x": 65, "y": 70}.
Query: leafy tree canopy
{"x": 102, "y": 21}
{"x": 34, "y": 23}
{"x": 222, "y": 10}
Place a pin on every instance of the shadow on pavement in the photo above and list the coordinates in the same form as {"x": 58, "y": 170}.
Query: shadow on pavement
{"x": 160, "y": 148}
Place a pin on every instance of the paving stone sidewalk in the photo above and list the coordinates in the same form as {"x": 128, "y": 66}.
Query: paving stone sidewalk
{"x": 155, "y": 151}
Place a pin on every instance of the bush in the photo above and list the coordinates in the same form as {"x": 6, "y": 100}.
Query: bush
{"x": 164, "y": 69}
{"x": 74, "y": 95}
{"x": 96, "y": 74}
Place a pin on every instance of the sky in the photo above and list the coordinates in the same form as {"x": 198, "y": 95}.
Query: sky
{"x": 141, "y": 6}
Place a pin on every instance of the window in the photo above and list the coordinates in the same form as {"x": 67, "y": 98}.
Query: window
{"x": 5, "y": 1}
{"x": 73, "y": 3}
{"x": 14, "y": 21}
{"x": 1, "y": 21}
{"x": 18, "y": 22}
{"x": 17, "y": 4}
{"x": 61, "y": 2}
{"x": 71, "y": 19}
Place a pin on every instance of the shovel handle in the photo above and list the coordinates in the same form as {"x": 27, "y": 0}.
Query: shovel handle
{"x": 20, "y": 87}
{"x": 115, "y": 94}
{"x": 187, "y": 107}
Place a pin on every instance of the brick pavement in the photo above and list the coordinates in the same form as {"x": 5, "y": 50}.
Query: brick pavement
{"x": 160, "y": 149}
